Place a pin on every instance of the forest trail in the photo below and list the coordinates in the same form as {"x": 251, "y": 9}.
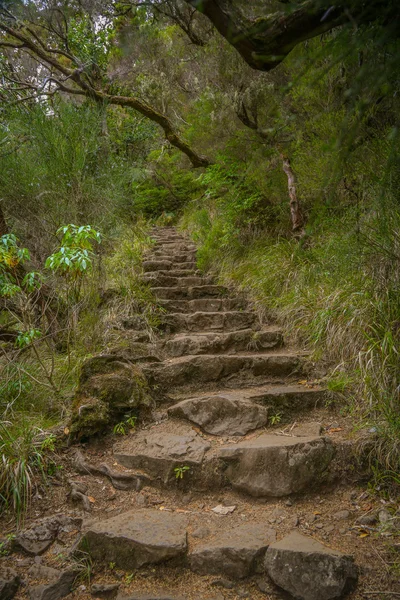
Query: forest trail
{"x": 213, "y": 499}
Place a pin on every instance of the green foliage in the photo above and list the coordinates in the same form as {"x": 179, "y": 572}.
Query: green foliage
{"x": 26, "y": 458}
{"x": 180, "y": 472}
{"x": 167, "y": 188}
{"x": 75, "y": 255}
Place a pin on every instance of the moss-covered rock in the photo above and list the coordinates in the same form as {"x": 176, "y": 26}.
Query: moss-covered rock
{"x": 110, "y": 386}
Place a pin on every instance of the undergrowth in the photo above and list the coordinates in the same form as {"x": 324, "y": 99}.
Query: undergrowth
{"x": 336, "y": 293}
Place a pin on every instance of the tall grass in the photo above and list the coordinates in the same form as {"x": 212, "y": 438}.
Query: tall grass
{"x": 25, "y": 462}
{"x": 335, "y": 293}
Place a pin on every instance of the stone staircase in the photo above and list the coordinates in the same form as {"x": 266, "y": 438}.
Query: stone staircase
{"x": 220, "y": 379}
{"x": 224, "y": 374}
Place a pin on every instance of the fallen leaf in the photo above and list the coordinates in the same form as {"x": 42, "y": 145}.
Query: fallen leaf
{"x": 66, "y": 431}
{"x": 363, "y": 535}
{"x": 335, "y": 429}
{"x": 91, "y": 499}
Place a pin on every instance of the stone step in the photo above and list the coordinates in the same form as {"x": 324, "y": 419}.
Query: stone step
{"x": 307, "y": 569}
{"x": 203, "y": 305}
{"x": 189, "y": 293}
{"x": 174, "y": 247}
{"x": 265, "y": 465}
{"x": 181, "y": 273}
{"x": 165, "y": 265}
{"x": 157, "y": 280}
{"x": 175, "y": 256}
{"x": 273, "y": 465}
{"x": 286, "y": 399}
{"x": 236, "y": 552}
{"x": 233, "y": 341}
{"x": 209, "y": 321}
{"x": 221, "y": 415}
{"x": 188, "y": 370}
{"x": 137, "y": 538}
{"x": 208, "y": 545}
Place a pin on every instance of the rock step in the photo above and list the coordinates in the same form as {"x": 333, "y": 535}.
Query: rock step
{"x": 298, "y": 564}
{"x": 136, "y": 538}
{"x": 221, "y": 415}
{"x": 176, "y": 256}
{"x": 181, "y": 273}
{"x": 188, "y": 370}
{"x": 203, "y": 305}
{"x": 157, "y": 280}
{"x": 173, "y": 247}
{"x": 265, "y": 465}
{"x": 209, "y": 321}
{"x": 189, "y": 293}
{"x": 164, "y": 265}
{"x": 233, "y": 341}
{"x": 285, "y": 399}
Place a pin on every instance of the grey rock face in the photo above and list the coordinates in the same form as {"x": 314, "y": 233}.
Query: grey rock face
{"x": 220, "y": 415}
{"x": 308, "y": 570}
{"x": 271, "y": 465}
{"x": 9, "y": 583}
{"x": 59, "y": 583}
{"x": 136, "y": 538}
{"x": 159, "y": 453}
{"x": 39, "y": 536}
{"x": 236, "y": 553}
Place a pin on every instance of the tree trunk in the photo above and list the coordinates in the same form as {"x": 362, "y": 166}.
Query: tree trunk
{"x": 296, "y": 213}
{"x": 266, "y": 39}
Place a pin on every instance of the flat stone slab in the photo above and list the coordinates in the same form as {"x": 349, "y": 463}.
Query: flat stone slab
{"x": 272, "y": 465}
{"x": 237, "y": 553}
{"x": 220, "y": 415}
{"x": 213, "y": 342}
{"x": 210, "y": 321}
{"x": 308, "y": 570}
{"x": 210, "y": 367}
{"x": 136, "y": 538}
{"x": 159, "y": 453}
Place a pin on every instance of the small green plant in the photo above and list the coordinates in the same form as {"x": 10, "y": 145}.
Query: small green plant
{"x": 122, "y": 427}
{"x": 129, "y": 578}
{"x": 112, "y": 566}
{"x": 180, "y": 471}
{"x": 131, "y": 421}
{"x": 276, "y": 418}
{"x": 5, "y": 547}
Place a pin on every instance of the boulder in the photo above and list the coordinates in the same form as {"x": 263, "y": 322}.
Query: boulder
{"x": 109, "y": 387}
{"x": 40, "y": 535}
{"x": 221, "y": 415}
{"x": 59, "y": 583}
{"x": 236, "y": 553}
{"x": 9, "y": 583}
{"x": 104, "y": 590}
{"x": 308, "y": 570}
{"x": 272, "y": 465}
{"x": 136, "y": 538}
